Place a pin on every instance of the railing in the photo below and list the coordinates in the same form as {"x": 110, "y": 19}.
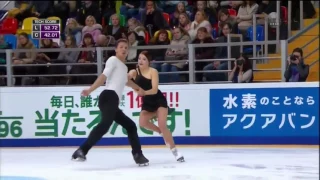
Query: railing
{"x": 190, "y": 61}
{"x": 5, "y": 14}
{"x": 5, "y": 5}
{"x": 292, "y": 38}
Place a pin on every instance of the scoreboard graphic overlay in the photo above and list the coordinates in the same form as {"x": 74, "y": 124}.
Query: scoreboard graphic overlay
{"x": 45, "y": 29}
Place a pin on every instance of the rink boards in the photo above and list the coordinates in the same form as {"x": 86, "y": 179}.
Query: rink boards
{"x": 244, "y": 114}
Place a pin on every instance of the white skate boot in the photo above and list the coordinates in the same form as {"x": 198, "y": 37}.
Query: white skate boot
{"x": 175, "y": 152}
{"x": 177, "y": 155}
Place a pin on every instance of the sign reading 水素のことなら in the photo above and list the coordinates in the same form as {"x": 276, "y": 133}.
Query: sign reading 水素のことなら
{"x": 265, "y": 112}
{"x": 63, "y": 113}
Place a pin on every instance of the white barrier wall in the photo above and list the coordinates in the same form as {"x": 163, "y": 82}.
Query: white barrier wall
{"x": 203, "y": 114}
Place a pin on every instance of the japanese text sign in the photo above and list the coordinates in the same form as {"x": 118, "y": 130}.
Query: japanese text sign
{"x": 265, "y": 112}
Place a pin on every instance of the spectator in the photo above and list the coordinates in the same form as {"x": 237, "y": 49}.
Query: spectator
{"x": 42, "y": 9}
{"x": 225, "y": 17}
{"x": 74, "y": 29}
{"x": 63, "y": 11}
{"x": 222, "y": 53}
{"x": 245, "y": 15}
{"x": 66, "y": 57}
{"x": 130, "y": 8}
{"x": 170, "y": 6}
{"x": 266, "y": 8}
{"x": 159, "y": 54}
{"x": 22, "y": 12}
{"x": 242, "y": 71}
{"x": 184, "y": 22}
{"x": 108, "y": 8}
{"x": 158, "y": 5}
{"x": 115, "y": 30}
{"x": 202, "y": 37}
{"x": 21, "y": 58}
{"x": 180, "y": 37}
{"x": 3, "y": 45}
{"x": 296, "y": 70}
{"x": 174, "y": 17}
{"x": 92, "y": 27}
{"x": 134, "y": 25}
{"x": 210, "y": 12}
{"x": 133, "y": 54}
{"x": 72, "y": 8}
{"x": 152, "y": 18}
{"x": 200, "y": 21}
{"x": 104, "y": 41}
{"x": 87, "y": 57}
{"x": 235, "y": 4}
{"x": 90, "y": 9}
{"x": 44, "y": 58}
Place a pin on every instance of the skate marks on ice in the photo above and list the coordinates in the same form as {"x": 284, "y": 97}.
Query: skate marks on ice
{"x": 285, "y": 163}
{"x": 201, "y": 164}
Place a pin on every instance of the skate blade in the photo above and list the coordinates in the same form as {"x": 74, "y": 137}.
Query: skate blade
{"x": 78, "y": 159}
{"x": 143, "y": 164}
{"x": 181, "y": 159}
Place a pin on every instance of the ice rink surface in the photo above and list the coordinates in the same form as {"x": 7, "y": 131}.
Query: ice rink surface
{"x": 202, "y": 163}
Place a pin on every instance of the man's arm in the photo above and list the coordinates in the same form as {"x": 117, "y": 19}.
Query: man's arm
{"x": 132, "y": 84}
{"x": 110, "y": 64}
{"x": 99, "y": 82}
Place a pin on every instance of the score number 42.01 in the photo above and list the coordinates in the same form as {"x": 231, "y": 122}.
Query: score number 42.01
{"x": 50, "y": 35}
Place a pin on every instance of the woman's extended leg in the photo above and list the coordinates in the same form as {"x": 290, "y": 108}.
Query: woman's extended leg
{"x": 162, "y": 114}
{"x": 144, "y": 121}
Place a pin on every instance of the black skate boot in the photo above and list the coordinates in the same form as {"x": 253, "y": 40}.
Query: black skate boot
{"x": 78, "y": 155}
{"x": 141, "y": 160}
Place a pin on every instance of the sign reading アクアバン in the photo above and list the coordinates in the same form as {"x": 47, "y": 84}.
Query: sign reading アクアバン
{"x": 277, "y": 113}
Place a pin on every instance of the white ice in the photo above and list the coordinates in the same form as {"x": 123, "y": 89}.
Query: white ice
{"x": 214, "y": 163}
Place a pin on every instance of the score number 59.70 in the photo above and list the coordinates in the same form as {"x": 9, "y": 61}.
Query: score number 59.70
{"x": 12, "y": 128}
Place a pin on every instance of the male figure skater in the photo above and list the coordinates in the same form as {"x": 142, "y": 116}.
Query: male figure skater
{"x": 115, "y": 78}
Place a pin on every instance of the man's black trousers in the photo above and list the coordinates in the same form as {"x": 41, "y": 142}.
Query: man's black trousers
{"x": 108, "y": 105}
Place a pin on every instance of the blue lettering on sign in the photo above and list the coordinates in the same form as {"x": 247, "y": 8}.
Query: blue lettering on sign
{"x": 264, "y": 112}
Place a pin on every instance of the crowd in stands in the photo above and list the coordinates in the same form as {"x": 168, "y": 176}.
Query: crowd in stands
{"x": 90, "y": 24}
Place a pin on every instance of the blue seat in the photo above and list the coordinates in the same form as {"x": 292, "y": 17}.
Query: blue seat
{"x": 11, "y": 39}
{"x": 259, "y": 37}
{"x": 36, "y": 42}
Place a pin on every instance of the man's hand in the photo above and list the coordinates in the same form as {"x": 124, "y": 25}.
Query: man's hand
{"x": 140, "y": 92}
{"x": 85, "y": 92}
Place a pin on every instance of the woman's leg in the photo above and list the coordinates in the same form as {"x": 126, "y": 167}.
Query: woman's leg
{"x": 144, "y": 121}
{"x": 162, "y": 114}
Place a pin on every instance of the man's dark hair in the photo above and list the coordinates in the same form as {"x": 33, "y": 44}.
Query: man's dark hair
{"x": 122, "y": 40}
{"x": 298, "y": 50}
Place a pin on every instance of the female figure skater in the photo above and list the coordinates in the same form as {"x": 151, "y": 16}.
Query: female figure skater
{"x": 154, "y": 102}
